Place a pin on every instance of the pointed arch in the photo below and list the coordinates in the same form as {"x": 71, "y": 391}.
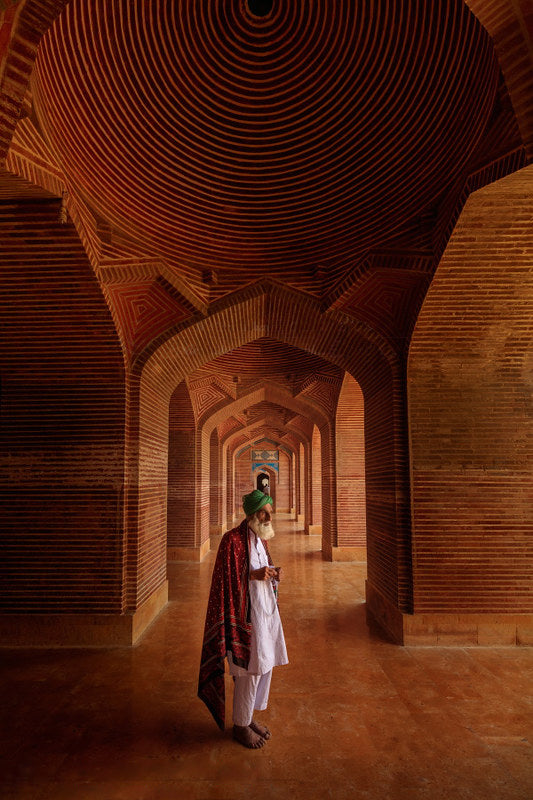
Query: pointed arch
{"x": 270, "y": 392}
{"x": 269, "y": 310}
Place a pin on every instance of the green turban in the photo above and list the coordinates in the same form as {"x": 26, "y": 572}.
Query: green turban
{"x": 254, "y": 501}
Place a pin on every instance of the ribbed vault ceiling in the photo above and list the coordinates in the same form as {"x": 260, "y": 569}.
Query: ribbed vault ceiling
{"x": 288, "y": 144}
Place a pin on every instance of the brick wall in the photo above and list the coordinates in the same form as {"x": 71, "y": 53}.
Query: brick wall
{"x": 147, "y": 481}
{"x": 62, "y": 422}
{"x": 470, "y": 388}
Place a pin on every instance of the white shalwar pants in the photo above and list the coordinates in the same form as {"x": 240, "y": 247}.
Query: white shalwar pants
{"x": 250, "y": 694}
{"x": 267, "y": 645}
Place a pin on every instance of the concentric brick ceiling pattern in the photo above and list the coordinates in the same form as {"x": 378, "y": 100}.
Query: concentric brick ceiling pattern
{"x": 279, "y": 144}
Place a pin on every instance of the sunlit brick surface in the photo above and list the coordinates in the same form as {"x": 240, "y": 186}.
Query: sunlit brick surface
{"x": 471, "y": 377}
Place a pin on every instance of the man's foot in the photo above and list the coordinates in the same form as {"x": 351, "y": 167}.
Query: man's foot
{"x": 262, "y": 730}
{"x": 248, "y": 737}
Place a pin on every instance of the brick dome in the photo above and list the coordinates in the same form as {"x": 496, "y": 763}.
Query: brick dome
{"x": 290, "y": 141}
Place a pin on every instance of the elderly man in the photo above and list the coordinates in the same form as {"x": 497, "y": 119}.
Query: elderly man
{"x": 243, "y": 623}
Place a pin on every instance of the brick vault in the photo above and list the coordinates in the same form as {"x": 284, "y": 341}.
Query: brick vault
{"x": 293, "y": 246}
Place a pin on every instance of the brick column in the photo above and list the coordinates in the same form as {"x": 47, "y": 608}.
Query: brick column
{"x": 470, "y": 382}
{"x": 315, "y": 524}
{"x": 350, "y": 473}
{"x": 181, "y": 503}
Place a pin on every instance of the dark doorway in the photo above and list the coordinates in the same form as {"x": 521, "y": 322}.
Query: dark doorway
{"x": 261, "y": 485}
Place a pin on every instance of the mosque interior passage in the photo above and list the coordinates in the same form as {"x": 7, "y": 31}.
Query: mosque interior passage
{"x": 267, "y": 409}
{"x": 280, "y": 241}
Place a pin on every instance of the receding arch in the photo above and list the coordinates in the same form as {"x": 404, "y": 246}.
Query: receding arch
{"x": 268, "y": 310}
{"x": 289, "y": 448}
{"x": 269, "y": 392}
{"x": 272, "y": 480}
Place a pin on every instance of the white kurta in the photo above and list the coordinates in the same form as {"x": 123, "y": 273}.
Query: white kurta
{"x": 267, "y": 647}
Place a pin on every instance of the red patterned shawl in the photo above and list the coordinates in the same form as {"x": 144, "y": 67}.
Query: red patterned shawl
{"x": 227, "y": 624}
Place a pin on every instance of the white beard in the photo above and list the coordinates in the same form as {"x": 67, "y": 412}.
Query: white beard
{"x": 264, "y": 530}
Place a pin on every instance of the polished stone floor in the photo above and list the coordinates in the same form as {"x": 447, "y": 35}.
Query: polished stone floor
{"x": 352, "y": 716}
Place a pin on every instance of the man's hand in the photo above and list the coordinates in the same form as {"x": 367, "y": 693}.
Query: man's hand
{"x": 265, "y": 573}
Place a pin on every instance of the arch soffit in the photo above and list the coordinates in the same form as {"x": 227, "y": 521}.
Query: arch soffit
{"x": 266, "y": 310}
{"x": 306, "y": 399}
{"x": 282, "y": 446}
{"x": 503, "y": 19}
{"x": 298, "y": 434}
{"x": 233, "y": 448}
{"x": 27, "y": 17}
{"x": 274, "y": 477}
{"x": 270, "y": 392}
{"x": 266, "y": 470}
{"x": 232, "y": 435}
{"x": 229, "y": 442}
{"x": 267, "y": 440}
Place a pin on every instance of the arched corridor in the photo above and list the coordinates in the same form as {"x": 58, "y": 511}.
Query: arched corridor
{"x": 246, "y": 414}
{"x": 286, "y": 238}
{"x": 352, "y": 716}
{"x": 201, "y": 272}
